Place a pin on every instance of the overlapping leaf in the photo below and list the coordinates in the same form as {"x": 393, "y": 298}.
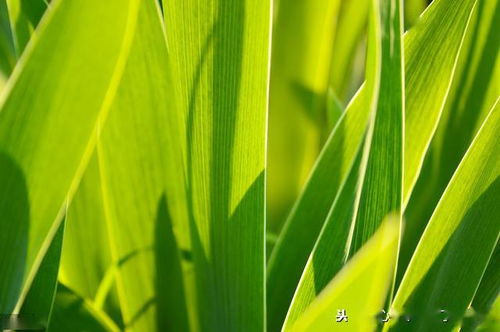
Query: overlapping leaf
{"x": 48, "y": 118}
{"x": 384, "y": 141}
{"x": 459, "y": 240}
{"x": 73, "y": 313}
{"x": 431, "y": 50}
{"x": 359, "y": 289}
{"x": 473, "y": 92}
{"x": 24, "y": 17}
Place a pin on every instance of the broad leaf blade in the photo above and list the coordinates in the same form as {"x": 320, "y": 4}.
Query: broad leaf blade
{"x": 360, "y": 288}
{"x": 220, "y": 58}
{"x": 138, "y": 163}
{"x": 45, "y": 146}
{"x": 460, "y": 238}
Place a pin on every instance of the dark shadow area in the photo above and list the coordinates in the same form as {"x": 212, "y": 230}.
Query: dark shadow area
{"x": 236, "y": 264}
{"x": 337, "y": 228}
{"x": 70, "y": 308}
{"x": 218, "y": 281}
{"x": 40, "y": 297}
{"x": 34, "y": 10}
{"x": 14, "y": 229}
{"x": 169, "y": 284}
{"x": 453, "y": 265}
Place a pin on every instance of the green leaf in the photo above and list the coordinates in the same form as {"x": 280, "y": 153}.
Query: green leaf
{"x": 422, "y": 46}
{"x": 474, "y": 90}
{"x": 73, "y": 313}
{"x": 330, "y": 251}
{"x": 306, "y": 219}
{"x": 86, "y": 237}
{"x": 136, "y": 149}
{"x": 431, "y": 53}
{"x": 40, "y": 297}
{"x": 385, "y": 144}
{"x": 381, "y": 175}
{"x": 459, "y": 240}
{"x": 302, "y": 51}
{"x": 86, "y": 241}
{"x": 220, "y": 55}
{"x": 360, "y": 287}
{"x": 48, "y": 120}
{"x": 24, "y": 17}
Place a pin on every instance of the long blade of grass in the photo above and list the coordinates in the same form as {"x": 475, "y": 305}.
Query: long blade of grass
{"x": 386, "y": 142}
{"x": 382, "y": 168}
{"x": 474, "y": 90}
{"x": 332, "y": 167}
{"x": 360, "y": 287}
{"x": 459, "y": 240}
{"x": 220, "y": 55}
{"x": 48, "y": 114}
{"x": 438, "y": 34}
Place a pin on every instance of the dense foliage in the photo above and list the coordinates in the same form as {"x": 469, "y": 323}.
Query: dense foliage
{"x": 249, "y": 165}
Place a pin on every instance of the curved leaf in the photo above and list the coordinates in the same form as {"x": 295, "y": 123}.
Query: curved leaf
{"x": 459, "y": 240}
{"x": 48, "y": 117}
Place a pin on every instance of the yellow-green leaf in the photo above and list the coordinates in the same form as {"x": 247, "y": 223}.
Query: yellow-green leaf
{"x": 360, "y": 287}
{"x": 48, "y": 120}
